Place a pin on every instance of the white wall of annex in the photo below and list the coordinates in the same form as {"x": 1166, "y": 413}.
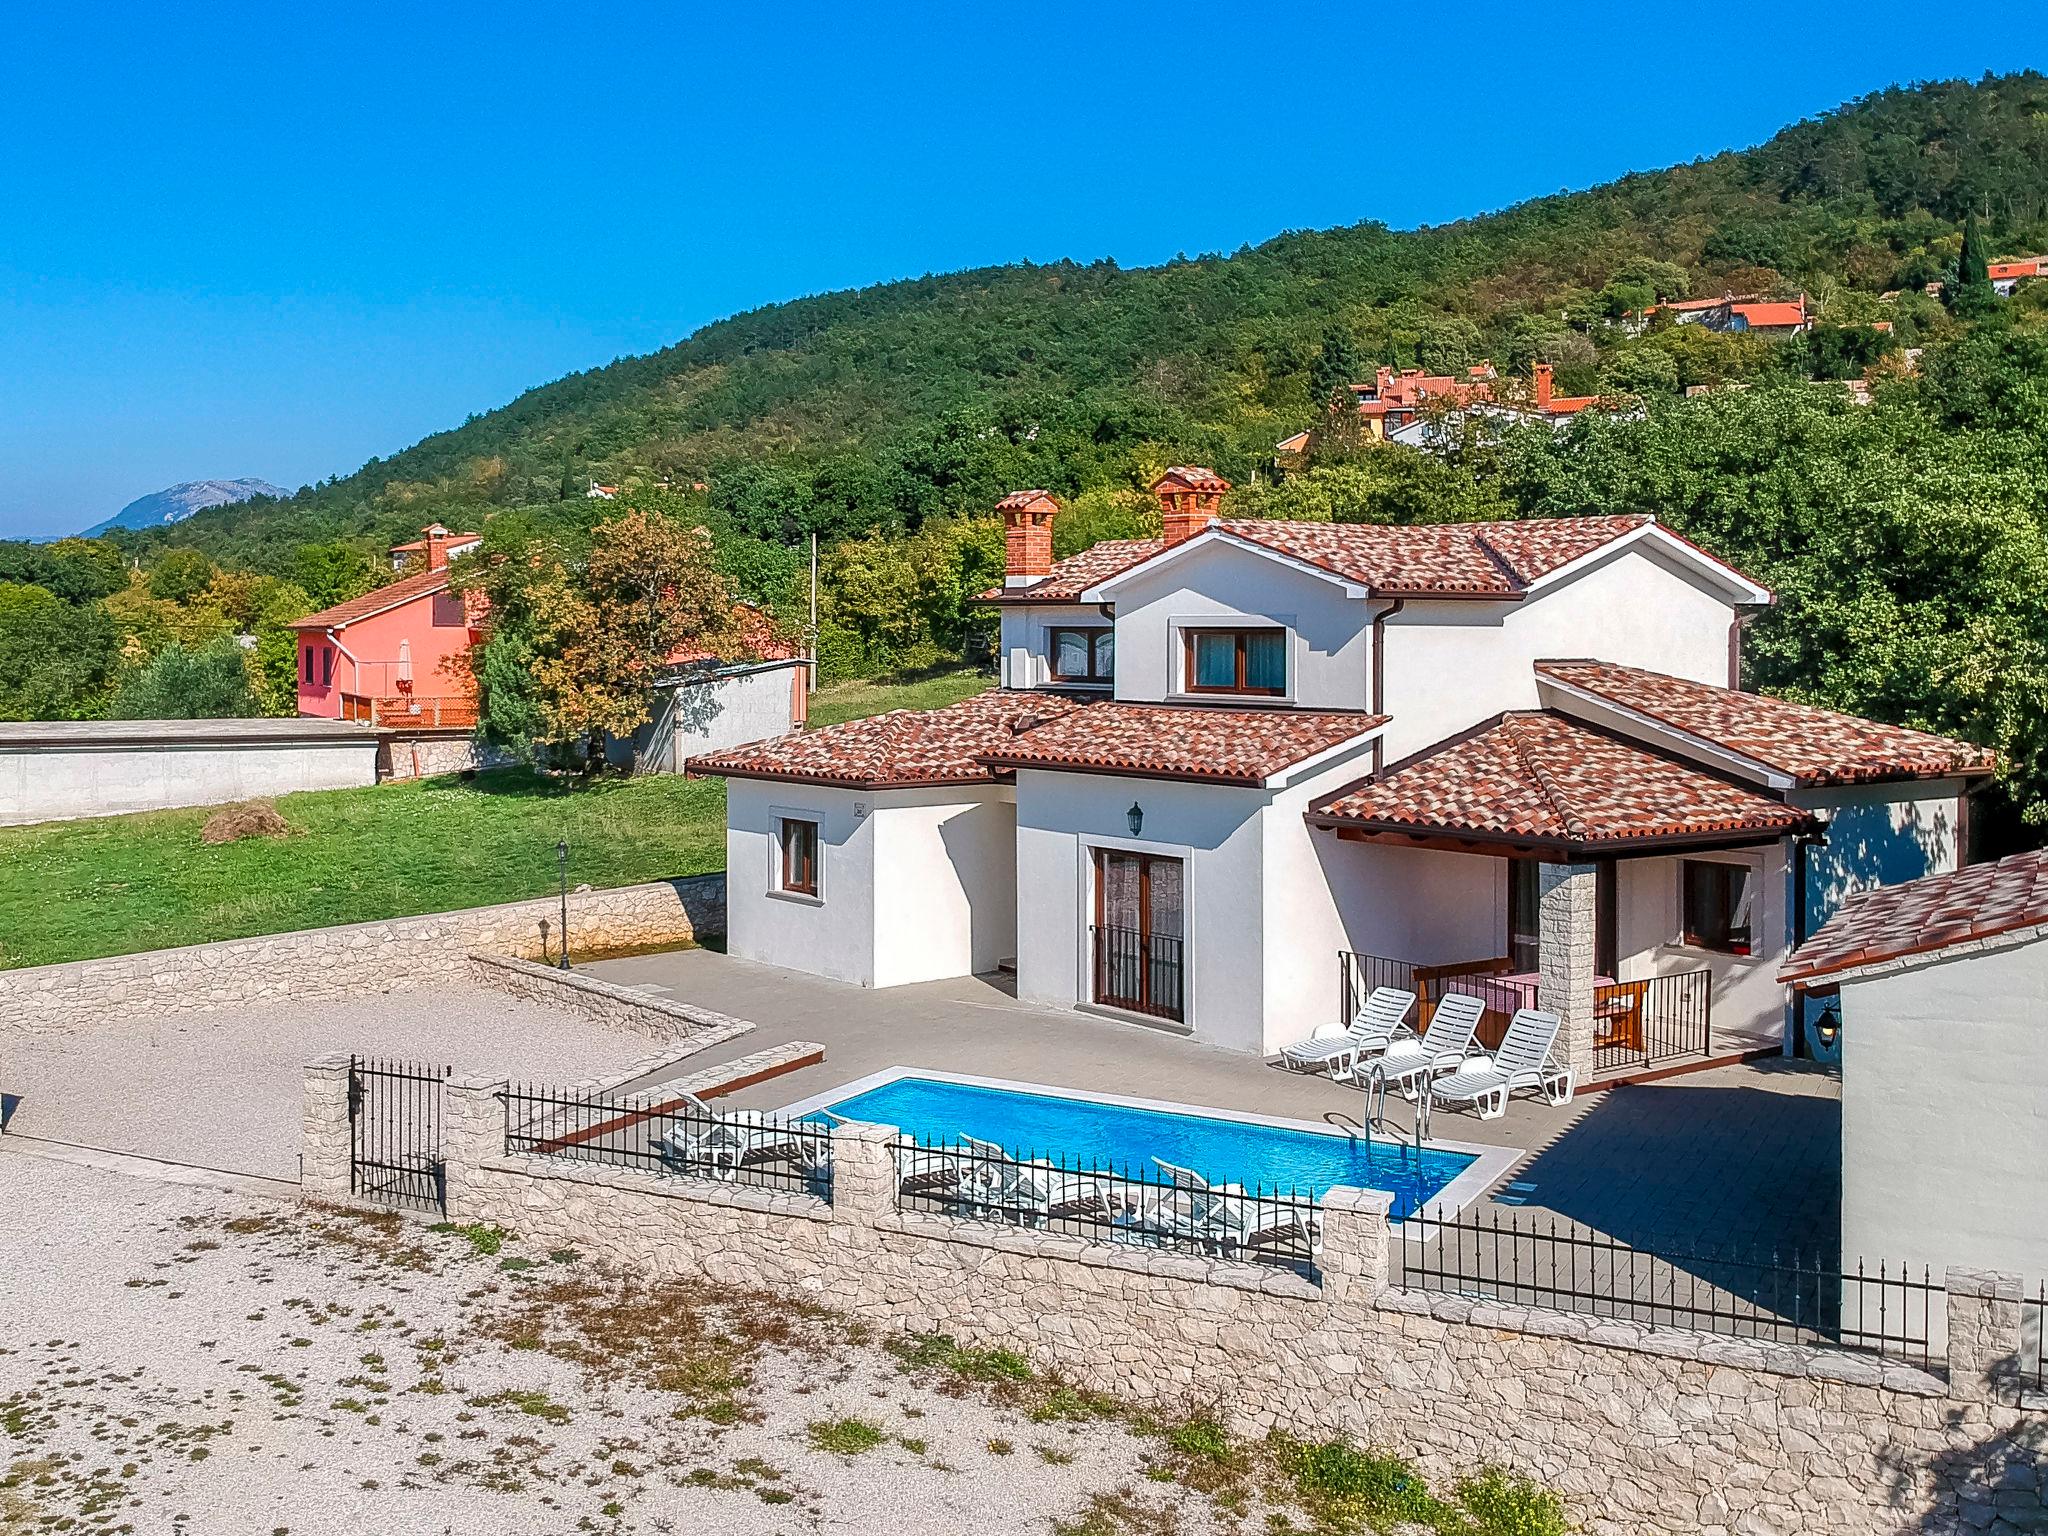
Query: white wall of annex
{"x": 1944, "y": 1124}
{"x": 1026, "y": 643}
{"x": 832, "y": 936}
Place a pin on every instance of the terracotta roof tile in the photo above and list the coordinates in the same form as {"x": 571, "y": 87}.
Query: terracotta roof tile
{"x": 1225, "y": 744}
{"x": 902, "y": 748}
{"x": 1541, "y": 778}
{"x": 1925, "y": 917}
{"x": 756, "y": 639}
{"x": 1074, "y": 575}
{"x": 1813, "y": 746}
{"x": 405, "y": 590}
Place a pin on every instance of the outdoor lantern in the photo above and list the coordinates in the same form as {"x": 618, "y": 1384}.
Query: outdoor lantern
{"x": 562, "y": 938}
{"x": 1136, "y": 817}
{"x": 1829, "y": 1026}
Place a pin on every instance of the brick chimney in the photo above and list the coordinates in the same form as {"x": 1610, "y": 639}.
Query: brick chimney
{"x": 1027, "y": 536}
{"x": 1189, "y": 497}
{"x": 438, "y": 540}
{"x": 1542, "y": 377}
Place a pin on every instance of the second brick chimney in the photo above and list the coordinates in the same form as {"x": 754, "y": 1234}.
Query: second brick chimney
{"x": 1189, "y": 499}
{"x": 1541, "y": 373}
{"x": 1027, "y": 536}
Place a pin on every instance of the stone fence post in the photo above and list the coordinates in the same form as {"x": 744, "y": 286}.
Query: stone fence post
{"x": 1984, "y": 1318}
{"x": 863, "y": 1174}
{"x": 1355, "y": 1236}
{"x": 324, "y": 1129}
{"x": 472, "y": 1133}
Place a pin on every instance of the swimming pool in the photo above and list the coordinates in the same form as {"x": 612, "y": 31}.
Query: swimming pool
{"x": 1100, "y": 1131}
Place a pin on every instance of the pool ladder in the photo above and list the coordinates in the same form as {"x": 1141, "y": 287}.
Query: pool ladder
{"x": 1376, "y": 1110}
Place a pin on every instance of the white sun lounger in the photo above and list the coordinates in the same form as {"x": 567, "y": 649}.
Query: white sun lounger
{"x": 720, "y": 1143}
{"x": 1034, "y": 1191}
{"x": 1524, "y": 1060}
{"x": 1379, "y": 1021}
{"x": 1443, "y": 1047}
{"x": 1222, "y": 1217}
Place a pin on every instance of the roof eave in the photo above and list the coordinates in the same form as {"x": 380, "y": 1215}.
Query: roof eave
{"x": 1506, "y": 845}
{"x": 1181, "y": 775}
{"x": 827, "y": 781}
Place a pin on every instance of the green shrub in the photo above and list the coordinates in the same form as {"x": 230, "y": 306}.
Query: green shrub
{"x": 1505, "y": 1504}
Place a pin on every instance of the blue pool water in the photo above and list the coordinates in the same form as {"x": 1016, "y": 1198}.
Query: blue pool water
{"x": 1087, "y": 1133}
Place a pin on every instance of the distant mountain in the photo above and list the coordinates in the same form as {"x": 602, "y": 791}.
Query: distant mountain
{"x": 178, "y": 502}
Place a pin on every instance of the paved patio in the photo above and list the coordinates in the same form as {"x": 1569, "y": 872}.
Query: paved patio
{"x": 1739, "y": 1156}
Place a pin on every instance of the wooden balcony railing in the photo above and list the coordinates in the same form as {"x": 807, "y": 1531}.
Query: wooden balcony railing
{"x": 411, "y": 711}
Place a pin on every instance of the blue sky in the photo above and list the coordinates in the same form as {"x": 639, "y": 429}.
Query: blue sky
{"x": 273, "y": 241}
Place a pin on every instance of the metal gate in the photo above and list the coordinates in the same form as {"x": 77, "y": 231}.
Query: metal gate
{"x": 394, "y": 1123}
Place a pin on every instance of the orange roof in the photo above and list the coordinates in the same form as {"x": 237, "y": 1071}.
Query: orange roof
{"x": 1540, "y": 780}
{"x": 1925, "y": 917}
{"x": 407, "y": 589}
{"x": 2024, "y": 266}
{"x": 1218, "y": 744}
{"x": 1772, "y": 314}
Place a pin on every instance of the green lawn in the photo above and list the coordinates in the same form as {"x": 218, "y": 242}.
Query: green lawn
{"x": 75, "y": 890}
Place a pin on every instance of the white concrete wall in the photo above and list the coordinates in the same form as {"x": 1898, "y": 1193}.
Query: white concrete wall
{"x": 1416, "y": 904}
{"x": 1026, "y": 645}
{"x": 1944, "y": 1117}
{"x": 1329, "y": 657}
{"x": 913, "y": 884}
{"x": 711, "y": 715}
{"x": 63, "y": 783}
{"x": 1217, "y": 831}
{"x": 945, "y": 871}
{"x": 833, "y": 935}
{"x": 1450, "y": 665}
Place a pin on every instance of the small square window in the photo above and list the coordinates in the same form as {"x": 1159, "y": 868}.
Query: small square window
{"x": 1084, "y": 655}
{"x": 1237, "y": 661}
{"x": 799, "y": 856}
{"x": 1718, "y": 899}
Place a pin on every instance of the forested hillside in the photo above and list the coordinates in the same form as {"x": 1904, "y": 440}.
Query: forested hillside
{"x": 1907, "y": 538}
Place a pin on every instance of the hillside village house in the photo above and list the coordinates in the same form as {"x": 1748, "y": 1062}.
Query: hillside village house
{"x": 1395, "y": 407}
{"x": 396, "y": 658}
{"x": 1237, "y": 773}
{"x": 1757, "y": 316}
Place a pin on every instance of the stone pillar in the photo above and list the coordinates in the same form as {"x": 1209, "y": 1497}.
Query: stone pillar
{"x": 863, "y": 1173}
{"x": 1355, "y": 1236}
{"x": 324, "y": 1131}
{"x": 1984, "y": 1320}
{"x": 1567, "y": 931}
{"x": 472, "y": 1134}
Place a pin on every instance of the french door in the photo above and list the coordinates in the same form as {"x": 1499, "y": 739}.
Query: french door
{"x": 1140, "y": 933}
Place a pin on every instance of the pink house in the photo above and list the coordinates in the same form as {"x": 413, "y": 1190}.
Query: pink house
{"x": 395, "y": 656}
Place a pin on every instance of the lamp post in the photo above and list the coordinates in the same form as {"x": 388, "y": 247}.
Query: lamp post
{"x": 562, "y": 867}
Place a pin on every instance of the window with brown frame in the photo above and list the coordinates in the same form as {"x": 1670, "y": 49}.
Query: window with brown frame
{"x": 799, "y": 856}
{"x": 1250, "y": 661}
{"x": 1717, "y": 900}
{"x": 1084, "y": 655}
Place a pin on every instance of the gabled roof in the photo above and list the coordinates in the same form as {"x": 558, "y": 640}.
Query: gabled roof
{"x": 1539, "y": 781}
{"x": 1216, "y": 743}
{"x": 1796, "y": 743}
{"x": 1924, "y": 918}
{"x": 1771, "y": 314}
{"x": 1496, "y": 560}
{"x": 407, "y": 589}
{"x": 901, "y": 749}
{"x": 755, "y": 638}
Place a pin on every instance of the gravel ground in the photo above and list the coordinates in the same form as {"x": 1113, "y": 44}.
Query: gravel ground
{"x": 185, "y": 1361}
{"x": 223, "y": 1089}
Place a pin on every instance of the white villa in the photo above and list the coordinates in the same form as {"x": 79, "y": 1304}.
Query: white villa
{"x": 1238, "y": 772}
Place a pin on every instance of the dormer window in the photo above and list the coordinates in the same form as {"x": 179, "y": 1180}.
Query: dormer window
{"x": 1252, "y": 661}
{"x": 1084, "y": 655}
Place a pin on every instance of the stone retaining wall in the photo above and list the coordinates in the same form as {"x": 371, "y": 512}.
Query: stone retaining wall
{"x": 606, "y": 1002}
{"x": 320, "y": 964}
{"x": 1639, "y": 1429}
